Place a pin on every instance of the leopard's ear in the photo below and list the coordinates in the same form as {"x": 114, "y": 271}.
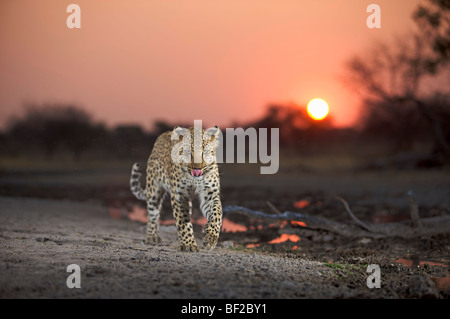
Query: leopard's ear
{"x": 178, "y": 132}
{"x": 213, "y": 135}
{"x": 213, "y": 131}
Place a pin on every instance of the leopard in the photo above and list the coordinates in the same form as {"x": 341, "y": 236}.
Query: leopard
{"x": 183, "y": 168}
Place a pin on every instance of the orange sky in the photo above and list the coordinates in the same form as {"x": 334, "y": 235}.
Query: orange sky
{"x": 219, "y": 61}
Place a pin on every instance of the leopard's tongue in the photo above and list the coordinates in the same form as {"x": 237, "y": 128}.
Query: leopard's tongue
{"x": 196, "y": 172}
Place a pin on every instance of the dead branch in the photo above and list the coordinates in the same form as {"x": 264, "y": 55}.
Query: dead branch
{"x": 406, "y": 229}
{"x": 312, "y": 222}
{"x": 415, "y": 220}
{"x": 349, "y": 211}
{"x": 273, "y": 208}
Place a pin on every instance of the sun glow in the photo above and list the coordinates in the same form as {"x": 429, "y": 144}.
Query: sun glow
{"x": 317, "y": 109}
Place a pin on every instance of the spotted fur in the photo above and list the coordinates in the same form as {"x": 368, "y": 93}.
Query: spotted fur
{"x": 166, "y": 176}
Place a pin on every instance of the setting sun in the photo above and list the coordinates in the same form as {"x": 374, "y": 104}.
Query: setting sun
{"x": 317, "y": 109}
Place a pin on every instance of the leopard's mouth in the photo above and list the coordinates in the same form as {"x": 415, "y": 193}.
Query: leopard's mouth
{"x": 196, "y": 172}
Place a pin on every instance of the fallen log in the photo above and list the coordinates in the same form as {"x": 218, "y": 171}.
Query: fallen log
{"x": 405, "y": 229}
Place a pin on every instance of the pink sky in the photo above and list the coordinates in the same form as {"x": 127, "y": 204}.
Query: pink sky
{"x": 219, "y": 61}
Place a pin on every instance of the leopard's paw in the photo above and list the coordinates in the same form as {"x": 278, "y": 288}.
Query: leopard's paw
{"x": 152, "y": 240}
{"x": 210, "y": 237}
{"x": 190, "y": 247}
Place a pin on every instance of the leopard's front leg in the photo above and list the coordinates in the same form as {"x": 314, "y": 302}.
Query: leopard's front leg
{"x": 181, "y": 212}
{"x": 211, "y": 207}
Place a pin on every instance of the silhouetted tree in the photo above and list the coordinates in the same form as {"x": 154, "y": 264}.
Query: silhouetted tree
{"x": 161, "y": 126}
{"x": 433, "y": 19}
{"x": 297, "y": 128}
{"x": 51, "y": 126}
{"x": 130, "y": 141}
{"x": 390, "y": 78}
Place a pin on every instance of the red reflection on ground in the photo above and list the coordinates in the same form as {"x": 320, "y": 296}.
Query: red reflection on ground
{"x": 297, "y": 223}
{"x": 229, "y": 226}
{"x": 199, "y": 221}
{"x": 301, "y": 203}
{"x": 114, "y": 213}
{"x": 167, "y": 222}
{"x": 409, "y": 262}
{"x": 285, "y": 237}
{"x": 283, "y": 223}
{"x": 140, "y": 214}
{"x": 442, "y": 283}
{"x": 389, "y": 218}
{"x": 258, "y": 227}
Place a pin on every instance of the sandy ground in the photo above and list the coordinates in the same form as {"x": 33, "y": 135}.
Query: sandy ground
{"x": 40, "y": 238}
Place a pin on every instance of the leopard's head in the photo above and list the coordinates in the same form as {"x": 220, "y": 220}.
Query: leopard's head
{"x": 195, "y": 149}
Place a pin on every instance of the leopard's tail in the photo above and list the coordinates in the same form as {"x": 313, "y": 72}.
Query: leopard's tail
{"x": 135, "y": 183}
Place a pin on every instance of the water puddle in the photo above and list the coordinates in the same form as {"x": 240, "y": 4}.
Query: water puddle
{"x": 389, "y": 218}
{"x": 416, "y": 263}
{"x": 284, "y": 238}
{"x": 297, "y": 223}
{"x": 301, "y": 204}
{"x": 283, "y": 223}
{"x": 442, "y": 283}
{"x": 139, "y": 214}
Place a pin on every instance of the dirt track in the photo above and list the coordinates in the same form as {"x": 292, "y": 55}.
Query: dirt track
{"x": 40, "y": 238}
